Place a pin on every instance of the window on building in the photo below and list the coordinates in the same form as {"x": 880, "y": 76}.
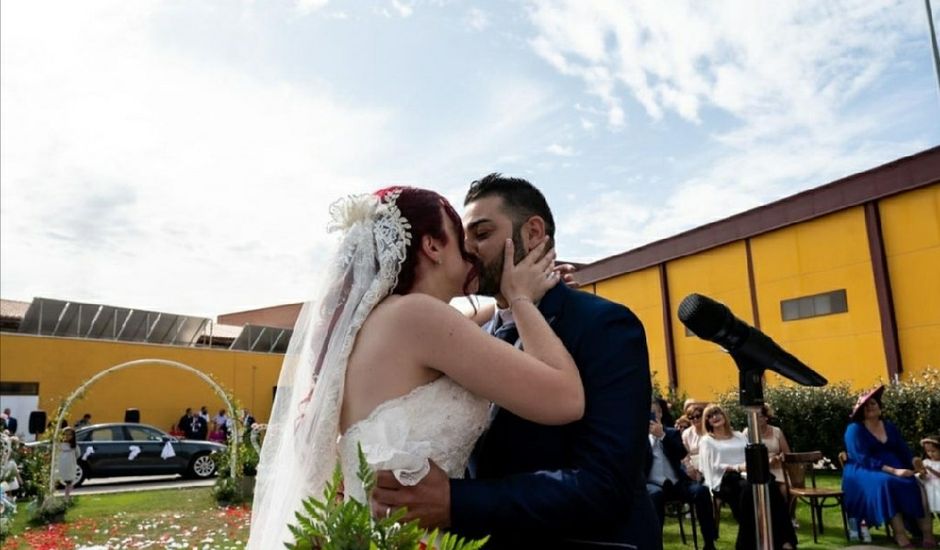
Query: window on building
{"x": 816, "y": 305}
{"x": 19, "y": 388}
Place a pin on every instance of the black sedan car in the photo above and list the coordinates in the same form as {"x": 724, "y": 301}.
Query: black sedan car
{"x": 128, "y": 449}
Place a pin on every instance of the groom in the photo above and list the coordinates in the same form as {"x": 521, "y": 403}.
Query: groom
{"x": 533, "y": 486}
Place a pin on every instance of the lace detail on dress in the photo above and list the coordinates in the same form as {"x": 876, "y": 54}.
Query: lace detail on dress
{"x": 440, "y": 421}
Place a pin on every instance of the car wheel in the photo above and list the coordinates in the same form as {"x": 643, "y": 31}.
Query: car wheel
{"x": 202, "y": 466}
{"x": 81, "y": 474}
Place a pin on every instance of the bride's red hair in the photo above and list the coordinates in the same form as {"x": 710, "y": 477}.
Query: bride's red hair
{"x": 422, "y": 208}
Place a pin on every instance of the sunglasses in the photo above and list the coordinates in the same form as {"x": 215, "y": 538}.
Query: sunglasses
{"x": 714, "y": 414}
{"x": 695, "y": 416}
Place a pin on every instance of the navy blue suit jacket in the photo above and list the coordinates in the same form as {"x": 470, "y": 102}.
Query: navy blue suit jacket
{"x": 581, "y": 484}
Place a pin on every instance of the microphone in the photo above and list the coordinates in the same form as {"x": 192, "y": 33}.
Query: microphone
{"x": 713, "y": 321}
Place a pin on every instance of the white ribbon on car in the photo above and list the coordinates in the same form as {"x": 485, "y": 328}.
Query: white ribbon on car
{"x": 135, "y": 450}
{"x": 89, "y": 450}
{"x": 167, "y": 451}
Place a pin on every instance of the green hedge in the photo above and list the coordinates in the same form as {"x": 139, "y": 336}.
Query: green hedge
{"x": 816, "y": 418}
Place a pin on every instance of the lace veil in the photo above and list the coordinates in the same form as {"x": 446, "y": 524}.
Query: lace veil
{"x": 300, "y": 450}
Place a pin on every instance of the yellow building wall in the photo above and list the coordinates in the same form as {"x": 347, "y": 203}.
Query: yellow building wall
{"x": 910, "y": 227}
{"x": 161, "y": 393}
{"x": 813, "y": 257}
{"x": 640, "y": 291}
{"x": 704, "y": 369}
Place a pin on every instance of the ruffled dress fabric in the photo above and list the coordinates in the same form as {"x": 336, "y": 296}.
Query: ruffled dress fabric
{"x": 440, "y": 421}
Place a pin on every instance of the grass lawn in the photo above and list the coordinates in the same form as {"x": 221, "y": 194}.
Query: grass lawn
{"x": 832, "y": 537}
{"x": 190, "y": 518}
{"x": 175, "y": 518}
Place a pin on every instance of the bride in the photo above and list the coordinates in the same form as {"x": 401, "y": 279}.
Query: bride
{"x": 380, "y": 359}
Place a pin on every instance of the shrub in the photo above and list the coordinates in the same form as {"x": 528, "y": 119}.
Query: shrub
{"x": 811, "y": 418}
{"x": 914, "y": 407}
{"x": 226, "y": 491}
{"x": 673, "y": 398}
{"x": 816, "y": 418}
{"x": 49, "y": 510}
{"x": 334, "y": 523}
{"x": 34, "y": 471}
{"x": 233, "y": 491}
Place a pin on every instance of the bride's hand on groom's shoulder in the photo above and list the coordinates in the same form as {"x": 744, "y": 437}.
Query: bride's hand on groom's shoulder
{"x": 532, "y": 277}
{"x": 428, "y": 501}
{"x": 566, "y": 274}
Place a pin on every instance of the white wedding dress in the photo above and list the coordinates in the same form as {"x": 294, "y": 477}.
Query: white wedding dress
{"x": 440, "y": 421}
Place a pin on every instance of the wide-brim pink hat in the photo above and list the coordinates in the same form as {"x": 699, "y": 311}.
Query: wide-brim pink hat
{"x": 865, "y": 397}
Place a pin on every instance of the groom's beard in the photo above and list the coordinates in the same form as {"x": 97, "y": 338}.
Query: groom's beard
{"x": 492, "y": 274}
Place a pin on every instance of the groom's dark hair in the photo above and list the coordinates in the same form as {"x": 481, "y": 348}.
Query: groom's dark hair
{"x": 521, "y": 199}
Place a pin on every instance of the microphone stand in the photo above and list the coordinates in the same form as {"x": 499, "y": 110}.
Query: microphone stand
{"x": 751, "y": 393}
{"x": 753, "y": 351}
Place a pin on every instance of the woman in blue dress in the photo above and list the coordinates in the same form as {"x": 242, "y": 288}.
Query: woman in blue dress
{"x": 878, "y": 480}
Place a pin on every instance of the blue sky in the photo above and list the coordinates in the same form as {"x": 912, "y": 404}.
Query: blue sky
{"x": 181, "y": 156}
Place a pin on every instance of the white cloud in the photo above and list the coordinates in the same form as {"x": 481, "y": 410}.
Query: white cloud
{"x": 149, "y": 178}
{"x": 403, "y": 7}
{"x": 152, "y": 167}
{"x": 802, "y": 59}
{"x": 477, "y": 19}
{"x": 146, "y": 179}
{"x": 786, "y": 73}
{"x": 612, "y": 222}
{"x": 310, "y": 6}
{"x": 560, "y": 150}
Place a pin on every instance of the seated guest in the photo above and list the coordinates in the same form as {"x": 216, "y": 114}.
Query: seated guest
{"x": 772, "y": 437}
{"x": 929, "y": 472}
{"x": 668, "y": 421}
{"x": 667, "y": 480}
{"x": 691, "y": 437}
{"x": 878, "y": 480}
{"x": 722, "y": 460}
{"x": 683, "y": 423}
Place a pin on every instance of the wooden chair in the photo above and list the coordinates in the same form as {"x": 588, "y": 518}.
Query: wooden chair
{"x": 843, "y": 459}
{"x": 797, "y": 468}
{"x": 679, "y": 509}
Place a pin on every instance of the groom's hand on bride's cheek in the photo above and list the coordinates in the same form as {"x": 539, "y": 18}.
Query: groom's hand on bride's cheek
{"x": 428, "y": 501}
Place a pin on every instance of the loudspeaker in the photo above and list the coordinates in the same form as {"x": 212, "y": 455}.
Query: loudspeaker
{"x": 37, "y": 422}
{"x": 132, "y": 415}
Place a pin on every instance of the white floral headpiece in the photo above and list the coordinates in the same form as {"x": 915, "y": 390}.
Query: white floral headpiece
{"x": 350, "y": 210}
{"x": 391, "y": 230}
